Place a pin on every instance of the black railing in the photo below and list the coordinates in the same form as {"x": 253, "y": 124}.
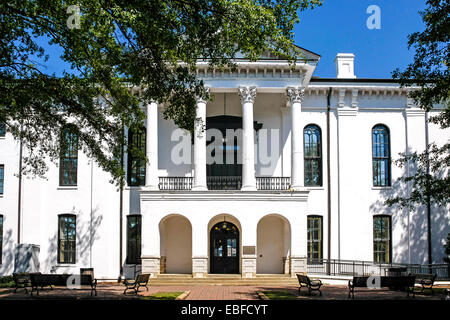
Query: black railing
{"x": 367, "y": 268}
{"x": 224, "y": 182}
{"x": 175, "y": 183}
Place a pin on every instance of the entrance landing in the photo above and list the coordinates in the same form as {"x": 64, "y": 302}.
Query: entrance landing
{"x": 224, "y": 280}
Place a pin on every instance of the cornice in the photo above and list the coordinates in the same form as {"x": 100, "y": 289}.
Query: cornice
{"x": 298, "y": 196}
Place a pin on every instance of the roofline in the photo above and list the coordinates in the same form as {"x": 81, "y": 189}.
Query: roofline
{"x": 362, "y": 80}
{"x": 308, "y": 51}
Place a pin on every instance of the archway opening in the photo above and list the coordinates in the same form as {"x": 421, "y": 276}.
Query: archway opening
{"x": 273, "y": 245}
{"x": 176, "y": 245}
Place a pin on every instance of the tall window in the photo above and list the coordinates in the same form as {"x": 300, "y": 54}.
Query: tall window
{"x": 381, "y": 157}
{"x": 314, "y": 238}
{"x": 2, "y": 177}
{"x": 136, "y": 165}
{"x": 134, "y": 239}
{"x": 2, "y": 129}
{"x": 69, "y": 158}
{"x": 382, "y": 239}
{"x": 1, "y": 238}
{"x": 312, "y": 155}
{"x": 67, "y": 234}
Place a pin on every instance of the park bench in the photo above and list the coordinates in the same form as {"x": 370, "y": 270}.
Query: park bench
{"x": 304, "y": 281}
{"x": 392, "y": 282}
{"x": 22, "y": 280}
{"x": 426, "y": 281}
{"x": 134, "y": 284}
{"x": 44, "y": 280}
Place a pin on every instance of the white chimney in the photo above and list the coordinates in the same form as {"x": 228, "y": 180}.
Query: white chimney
{"x": 345, "y": 66}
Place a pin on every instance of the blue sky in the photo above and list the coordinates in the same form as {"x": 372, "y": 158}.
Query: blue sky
{"x": 340, "y": 26}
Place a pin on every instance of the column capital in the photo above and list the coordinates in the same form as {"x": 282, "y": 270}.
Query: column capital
{"x": 247, "y": 94}
{"x": 200, "y": 99}
{"x": 295, "y": 94}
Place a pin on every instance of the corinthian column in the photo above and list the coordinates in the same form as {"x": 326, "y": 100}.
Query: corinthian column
{"x": 296, "y": 95}
{"x": 248, "y": 95}
{"x": 200, "y": 145}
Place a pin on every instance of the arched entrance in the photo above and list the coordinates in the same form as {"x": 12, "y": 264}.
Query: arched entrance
{"x": 273, "y": 245}
{"x": 224, "y": 248}
{"x": 176, "y": 245}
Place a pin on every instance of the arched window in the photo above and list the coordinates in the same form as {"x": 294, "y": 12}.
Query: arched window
{"x": 69, "y": 157}
{"x": 312, "y": 155}
{"x": 136, "y": 152}
{"x": 381, "y": 157}
{"x": 67, "y": 238}
{"x": 382, "y": 231}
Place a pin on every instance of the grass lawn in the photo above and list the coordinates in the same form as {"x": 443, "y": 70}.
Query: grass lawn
{"x": 436, "y": 290}
{"x": 6, "y": 282}
{"x": 163, "y": 296}
{"x": 280, "y": 295}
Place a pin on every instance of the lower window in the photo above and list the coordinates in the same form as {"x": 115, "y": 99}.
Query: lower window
{"x": 67, "y": 234}
{"x": 382, "y": 239}
{"x": 314, "y": 239}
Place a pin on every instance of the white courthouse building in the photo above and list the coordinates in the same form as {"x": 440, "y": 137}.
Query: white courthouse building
{"x": 307, "y": 165}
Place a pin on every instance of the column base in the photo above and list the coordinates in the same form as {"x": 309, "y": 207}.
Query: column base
{"x": 298, "y": 188}
{"x": 248, "y": 188}
{"x": 249, "y": 267}
{"x": 199, "y": 188}
{"x": 298, "y": 265}
{"x": 150, "y": 188}
{"x": 151, "y": 265}
{"x": 199, "y": 267}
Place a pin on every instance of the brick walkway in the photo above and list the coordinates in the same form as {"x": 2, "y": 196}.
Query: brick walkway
{"x": 212, "y": 292}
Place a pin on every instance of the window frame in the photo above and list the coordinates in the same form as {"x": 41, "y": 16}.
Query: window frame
{"x": 137, "y": 242}
{"x": 73, "y": 253}
{"x": 316, "y": 130}
{"x": 376, "y": 253}
{"x": 2, "y": 179}
{"x": 2, "y": 129}
{"x": 377, "y": 180}
{"x": 141, "y": 165}
{"x": 73, "y": 173}
{"x": 1, "y": 238}
{"x": 319, "y": 240}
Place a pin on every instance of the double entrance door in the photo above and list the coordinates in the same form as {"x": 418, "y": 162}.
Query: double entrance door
{"x": 224, "y": 248}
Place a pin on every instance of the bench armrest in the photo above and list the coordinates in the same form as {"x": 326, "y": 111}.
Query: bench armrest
{"x": 129, "y": 282}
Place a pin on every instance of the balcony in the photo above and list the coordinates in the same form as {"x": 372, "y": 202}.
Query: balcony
{"x": 225, "y": 183}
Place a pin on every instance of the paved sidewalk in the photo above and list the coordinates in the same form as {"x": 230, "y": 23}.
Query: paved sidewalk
{"x": 213, "y": 292}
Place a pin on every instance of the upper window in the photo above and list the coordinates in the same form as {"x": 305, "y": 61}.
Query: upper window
{"x": 67, "y": 238}
{"x": 136, "y": 165}
{"x": 381, "y": 157}
{"x": 2, "y": 177}
{"x": 312, "y": 155}
{"x": 134, "y": 239}
{"x": 382, "y": 239}
{"x": 1, "y": 238}
{"x": 69, "y": 158}
{"x": 2, "y": 129}
{"x": 314, "y": 229}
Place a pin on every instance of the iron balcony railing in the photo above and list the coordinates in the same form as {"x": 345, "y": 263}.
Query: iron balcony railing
{"x": 224, "y": 183}
{"x": 368, "y": 268}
